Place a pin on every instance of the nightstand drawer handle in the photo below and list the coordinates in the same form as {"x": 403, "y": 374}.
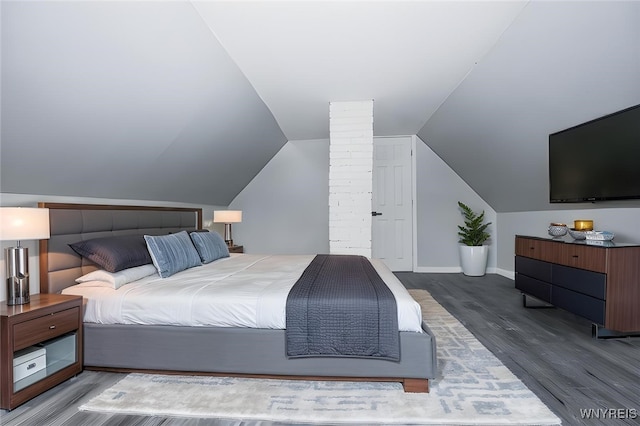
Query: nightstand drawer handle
{"x": 52, "y": 327}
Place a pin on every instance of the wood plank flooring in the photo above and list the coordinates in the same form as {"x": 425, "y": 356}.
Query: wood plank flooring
{"x": 550, "y": 350}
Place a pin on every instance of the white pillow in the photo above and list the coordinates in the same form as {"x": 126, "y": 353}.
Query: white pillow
{"x": 102, "y": 278}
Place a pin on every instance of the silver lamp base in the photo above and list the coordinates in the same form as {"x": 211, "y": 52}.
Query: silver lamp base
{"x": 17, "y": 291}
{"x": 17, "y": 275}
{"x": 227, "y": 235}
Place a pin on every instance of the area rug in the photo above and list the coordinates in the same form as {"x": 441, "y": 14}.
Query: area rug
{"x": 472, "y": 388}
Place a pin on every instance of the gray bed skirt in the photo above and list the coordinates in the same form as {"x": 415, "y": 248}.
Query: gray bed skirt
{"x": 243, "y": 351}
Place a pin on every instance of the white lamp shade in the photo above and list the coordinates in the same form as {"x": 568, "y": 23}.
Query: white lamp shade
{"x": 227, "y": 216}
{"x": 24, "y": 223}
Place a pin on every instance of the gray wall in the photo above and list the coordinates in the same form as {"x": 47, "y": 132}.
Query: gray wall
{"x": 285, "y": 207}
{"x": 438, "y": 191}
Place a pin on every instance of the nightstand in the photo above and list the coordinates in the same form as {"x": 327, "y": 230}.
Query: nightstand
{"x": 236, "y": 249}
{"x": 41, "y": 346}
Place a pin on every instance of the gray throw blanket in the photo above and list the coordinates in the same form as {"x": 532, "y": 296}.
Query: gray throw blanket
{"x": 341, "y": 307}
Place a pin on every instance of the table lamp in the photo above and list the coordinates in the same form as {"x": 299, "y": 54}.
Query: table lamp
{"x": 21, "y": 223}
{"x": 227, "y": 217}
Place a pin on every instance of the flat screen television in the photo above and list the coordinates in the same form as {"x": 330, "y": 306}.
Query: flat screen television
{"x": 598, "y": 160}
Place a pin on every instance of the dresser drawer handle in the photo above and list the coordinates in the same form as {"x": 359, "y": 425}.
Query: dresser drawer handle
{"x": 575, "y": 256}
{"x": 52, "y": 327}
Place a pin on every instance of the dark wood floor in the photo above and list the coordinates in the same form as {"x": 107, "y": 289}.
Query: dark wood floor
{"x": 550, "y": 350}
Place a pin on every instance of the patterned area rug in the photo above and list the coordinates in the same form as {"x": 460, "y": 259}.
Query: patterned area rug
{"x": 472, "y": 388}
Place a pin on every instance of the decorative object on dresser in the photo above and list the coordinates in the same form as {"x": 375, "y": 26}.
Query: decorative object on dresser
{"x": 580, "y": 229}
{"x": 577, "y": 235}
{"x": 599, "y": 235}
{"x": 41, "y": 346}
{"x": 557, "y": 229}
{"x": 583, "y": 225}
{"x": 21, "y": 223}
{"x": 597, "y": 282}
{"x": 227, "y": 217}
{"x": 473, "y": 252}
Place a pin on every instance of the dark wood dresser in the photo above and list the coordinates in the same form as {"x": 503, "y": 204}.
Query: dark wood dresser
{"x": 597, "y": 280}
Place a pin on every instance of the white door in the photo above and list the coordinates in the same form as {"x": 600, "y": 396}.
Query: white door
{"x": 392, "y": 209}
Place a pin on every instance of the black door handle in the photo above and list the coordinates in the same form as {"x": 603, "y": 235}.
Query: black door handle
{"x": 376, "y": 214}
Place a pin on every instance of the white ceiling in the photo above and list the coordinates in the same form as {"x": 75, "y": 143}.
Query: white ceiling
{"x": 406, "y": 56}
{"x": 187, "y": 100}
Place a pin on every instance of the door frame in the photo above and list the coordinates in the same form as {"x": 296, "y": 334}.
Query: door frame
{"x": 414, "y": 203}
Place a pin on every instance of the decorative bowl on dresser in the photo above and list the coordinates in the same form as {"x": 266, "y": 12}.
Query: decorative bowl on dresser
{"x": 557, "y": 229}
{"x": 41, "y": 346}
{"x": 598, "y": 282}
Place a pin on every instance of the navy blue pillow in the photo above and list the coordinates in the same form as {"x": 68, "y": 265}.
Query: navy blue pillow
{"x": 114, "y": 254}
{"x": 172, "y": 253}
{"x": 210, "y": 246}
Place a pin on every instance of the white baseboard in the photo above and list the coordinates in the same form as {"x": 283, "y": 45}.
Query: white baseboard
{"x": 438, "y": 269}
{"x": 453, "y": 270}
{"x": 457, "y": 270}
{"x": 506, "y": 273}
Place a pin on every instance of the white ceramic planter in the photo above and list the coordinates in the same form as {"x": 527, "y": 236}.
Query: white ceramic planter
{"x": 474, "y": 260}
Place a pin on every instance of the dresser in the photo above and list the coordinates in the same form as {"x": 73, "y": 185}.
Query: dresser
{"x": 597, "y": 280}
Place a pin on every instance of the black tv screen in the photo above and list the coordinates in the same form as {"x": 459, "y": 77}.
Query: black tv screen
{"x": 597, "y": 160}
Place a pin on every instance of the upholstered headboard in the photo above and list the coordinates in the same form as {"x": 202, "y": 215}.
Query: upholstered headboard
{"x": 60, "y": 265}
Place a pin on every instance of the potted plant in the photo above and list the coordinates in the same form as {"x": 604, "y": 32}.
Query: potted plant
{"x": 473, "y": 252}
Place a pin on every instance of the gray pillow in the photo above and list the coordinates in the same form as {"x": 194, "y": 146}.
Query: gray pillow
{"x": 210, "y": 246}
{"x": 172, "y": 253}
{"x": 114, "y": 254}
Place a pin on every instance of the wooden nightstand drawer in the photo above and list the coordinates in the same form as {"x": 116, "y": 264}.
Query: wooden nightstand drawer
{"x": 44, "y": 328}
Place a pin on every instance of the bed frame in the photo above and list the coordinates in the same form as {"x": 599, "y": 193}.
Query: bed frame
{"x": 200, "y": 350}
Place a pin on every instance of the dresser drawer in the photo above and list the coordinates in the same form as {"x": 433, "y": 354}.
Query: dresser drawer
{"x": 584, "y": 257}
{"x": 585, "y": 306}
{"x": 548, "y": 251}
{"x": 534, "y": 268}
{"x": 533, "y": 287}
{"x": 44, "y": 328}
{"x": 590, "y": 283}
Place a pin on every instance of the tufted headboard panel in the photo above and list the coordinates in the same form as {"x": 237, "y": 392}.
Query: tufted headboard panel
{"x": 69, "y": 223}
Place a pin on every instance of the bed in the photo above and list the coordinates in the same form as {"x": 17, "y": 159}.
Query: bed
{"x": 244, "y": 349}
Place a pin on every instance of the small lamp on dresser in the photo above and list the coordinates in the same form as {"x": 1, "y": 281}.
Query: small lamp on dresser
{"x": 21, "y": 223}
{"x": 227, "y": 217}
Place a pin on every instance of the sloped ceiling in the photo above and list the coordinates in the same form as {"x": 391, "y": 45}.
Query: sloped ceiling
{"x": 561, "y": 64}
{"x": 126, "y": 100}
{"x": 187, "y": 100}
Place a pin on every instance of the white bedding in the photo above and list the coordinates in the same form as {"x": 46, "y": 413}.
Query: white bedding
{"x": 243, "y": 290}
